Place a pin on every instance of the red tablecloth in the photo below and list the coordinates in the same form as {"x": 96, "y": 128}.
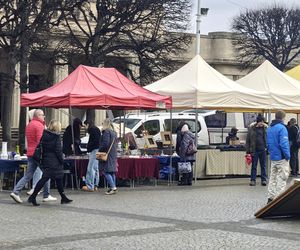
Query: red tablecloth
{"x": 146, "y": 167}
{"x": 129, "y": 168}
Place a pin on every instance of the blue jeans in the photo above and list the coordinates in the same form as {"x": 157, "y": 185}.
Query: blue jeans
{"x": 36, "y": 177}
{"x": 261, "y": 156}
{"x": 92, "y": 173}
{"x": 111, "y": 179}
{"x": 294, "y": 161}
{"x": 32, "y": 166}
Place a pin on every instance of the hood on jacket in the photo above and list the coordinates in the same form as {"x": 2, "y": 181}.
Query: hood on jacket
{"x": 254, "y": 124}
{"x": 49, "y": 135}
{"x": 276, "y": 121}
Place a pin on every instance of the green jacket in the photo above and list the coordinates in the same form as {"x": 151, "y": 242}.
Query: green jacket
{"x": 251, "y": 138}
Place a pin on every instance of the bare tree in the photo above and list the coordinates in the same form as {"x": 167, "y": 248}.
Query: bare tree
{"x": 132, "y": 33}
{"x": 22, "y": 24}
{"x": 269, "y": 33}
{"x": 127, "y": 29}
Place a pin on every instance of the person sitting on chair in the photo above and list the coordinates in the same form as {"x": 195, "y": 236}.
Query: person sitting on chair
{"x": 232, "y": 136}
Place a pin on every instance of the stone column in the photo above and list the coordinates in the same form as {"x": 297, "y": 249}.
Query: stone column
{"x": 16, "y": 100}
{"x": 100, "y": 114}
{"x": 61, "y": 72}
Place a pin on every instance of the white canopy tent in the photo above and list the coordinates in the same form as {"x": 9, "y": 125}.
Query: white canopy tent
{"x": 198, "y": 85}
{"x": 283, "y": 89}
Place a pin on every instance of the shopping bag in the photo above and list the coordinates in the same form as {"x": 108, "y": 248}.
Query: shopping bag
{"x": 184, "y": 167}
{"x": 248, "y": 159}
{"x": 101, "y": 156}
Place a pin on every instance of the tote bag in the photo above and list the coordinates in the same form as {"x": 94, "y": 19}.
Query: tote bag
{"x": 184, "y": 167}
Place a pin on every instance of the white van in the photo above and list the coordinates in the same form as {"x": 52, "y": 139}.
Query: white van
{"x": 219, "y": 124}
{"x": 158, "y": 122}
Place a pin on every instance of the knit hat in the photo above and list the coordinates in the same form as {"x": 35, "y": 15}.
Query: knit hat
{"x": 259, "y": 118}
{"x": 184, "y": 128}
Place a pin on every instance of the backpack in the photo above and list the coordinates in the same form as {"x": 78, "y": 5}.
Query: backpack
{"x": 191, "y": 148}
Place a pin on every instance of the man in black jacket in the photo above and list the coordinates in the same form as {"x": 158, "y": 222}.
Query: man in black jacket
{"x": 293, "y": 131}
{"x": 92, "y": 173}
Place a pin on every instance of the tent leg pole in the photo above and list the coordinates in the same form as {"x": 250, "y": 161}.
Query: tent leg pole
{"x": 170, "y": 179}
{"x": 73, "y": 139}
{"x": 196, "y": 143}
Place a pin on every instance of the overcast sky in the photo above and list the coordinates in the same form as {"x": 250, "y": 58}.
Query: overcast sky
{"x": 221, "y": 12}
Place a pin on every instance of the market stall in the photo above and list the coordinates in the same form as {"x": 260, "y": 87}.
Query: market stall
{"x": 98, "y": 88}
{"x": 197, "y": 85}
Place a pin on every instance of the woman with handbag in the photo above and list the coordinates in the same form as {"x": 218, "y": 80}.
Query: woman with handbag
{"x": 52, "y": 162}
{"x": 108, "y": 144}
{"x": 187, "y": 155}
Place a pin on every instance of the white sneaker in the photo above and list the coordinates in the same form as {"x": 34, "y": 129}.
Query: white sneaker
{"x": 30, "y": 192}
{"x": 49, "y": 198}
{"x": 16, "y": 198}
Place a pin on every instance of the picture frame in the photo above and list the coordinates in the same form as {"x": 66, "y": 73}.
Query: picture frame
{"x": 166, "y": 137}
{"x": 149, "y": 141}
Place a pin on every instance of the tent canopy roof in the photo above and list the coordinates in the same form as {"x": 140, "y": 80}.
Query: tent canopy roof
{"x": 91, "y": 87}
{"x": 294, "y": 72}
{"x": 283, "y": 89}
{"x": 198, "y": 85}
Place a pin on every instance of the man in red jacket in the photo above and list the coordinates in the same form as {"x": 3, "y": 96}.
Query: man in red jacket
{"x": 34, "y": 132}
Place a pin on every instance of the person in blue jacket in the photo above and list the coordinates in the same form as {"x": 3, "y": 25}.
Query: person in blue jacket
{"x": 279, "y": 149}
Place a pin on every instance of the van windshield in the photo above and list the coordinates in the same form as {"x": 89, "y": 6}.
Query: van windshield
{"x": 129, "y": 122}
{"x": 175, "y": 122}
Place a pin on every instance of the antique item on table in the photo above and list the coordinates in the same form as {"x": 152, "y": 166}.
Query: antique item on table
{"x": 184, "y": 167}
{"x": 166, "y": 137}
{"x": 233, "y": 142}
{"x": 149, "y": 141}
{"x": 4, "y": 154}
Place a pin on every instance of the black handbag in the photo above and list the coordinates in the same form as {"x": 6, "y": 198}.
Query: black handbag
{"x": 38, "y": 152}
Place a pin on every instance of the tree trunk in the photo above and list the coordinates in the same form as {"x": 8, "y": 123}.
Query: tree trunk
{"x": 23, "y": 89}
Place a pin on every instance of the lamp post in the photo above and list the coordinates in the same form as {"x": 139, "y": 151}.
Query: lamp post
{"x": 200, "y": 12}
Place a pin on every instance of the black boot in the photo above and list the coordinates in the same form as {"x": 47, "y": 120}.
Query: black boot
{"x": 64, "y": 199}
{"x": 33, "y": 201}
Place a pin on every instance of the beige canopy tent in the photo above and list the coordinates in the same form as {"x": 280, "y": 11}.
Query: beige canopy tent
{"x": 294, "y": 72}
{"x": 283, "y": 89}
{"x": 198, "y": 85}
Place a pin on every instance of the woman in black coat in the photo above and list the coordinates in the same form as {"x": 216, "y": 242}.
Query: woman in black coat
{"x": 68, "y": 138}
{"x": 52, "y": 162}
{"x": 186, "y": 137}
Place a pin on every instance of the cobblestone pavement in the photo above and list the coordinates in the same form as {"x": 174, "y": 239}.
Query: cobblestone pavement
{"x": 212, "y": 214}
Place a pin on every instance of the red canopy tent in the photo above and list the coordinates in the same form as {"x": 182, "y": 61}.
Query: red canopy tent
{"x": 91, "y": 87}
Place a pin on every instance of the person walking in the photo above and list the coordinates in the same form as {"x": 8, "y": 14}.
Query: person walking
{"x": 294, "y": 148}
{"x": 38, "y": 172}
{"x": 256, "y": 144}
{"x": 186, "y": 138}
{"x": 52, "y": 162}
{"x": 92, "y": 174}
{"x": 109, "y": 167}
{"x": 33, "y": 132}
{"x": 278, "y": 147}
